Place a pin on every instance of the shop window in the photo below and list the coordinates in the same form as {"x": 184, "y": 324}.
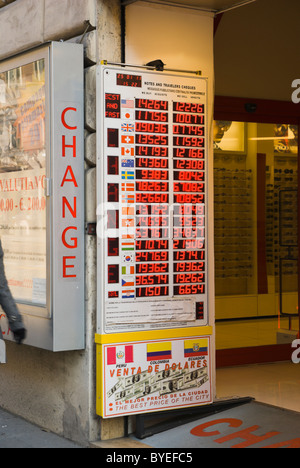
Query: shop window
{"x": 255, "y": 181}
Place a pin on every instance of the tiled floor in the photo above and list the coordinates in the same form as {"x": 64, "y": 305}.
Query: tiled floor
{"x": 276, "y": 384}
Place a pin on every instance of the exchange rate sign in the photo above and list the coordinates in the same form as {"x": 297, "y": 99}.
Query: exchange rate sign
{"x": 152, "y": 200}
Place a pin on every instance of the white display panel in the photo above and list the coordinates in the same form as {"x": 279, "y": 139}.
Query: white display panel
{"x": 152, "y": 205}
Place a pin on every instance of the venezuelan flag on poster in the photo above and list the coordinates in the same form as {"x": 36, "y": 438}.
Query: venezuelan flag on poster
{"x": 159, "y": 351}
{"x": 197, "y": 347}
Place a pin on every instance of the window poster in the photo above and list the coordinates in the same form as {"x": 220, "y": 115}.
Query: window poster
{"x": 22, "y": 180}
{"x": 155, "y": 375}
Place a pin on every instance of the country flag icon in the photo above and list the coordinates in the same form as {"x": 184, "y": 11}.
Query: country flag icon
{"x": 128, "y": 222}
{"x": 127, "y": 114}
{"x": 128, "y": 281}
{"x": 128, "y": 270}
{"x": 159, "y": 351}
{"x": 127, "y": 127}
{"x": 128, "y": 211}
{"x": 127, "y": 103}
{"x": 197, "y": 347}
{"x": 128, "y": 258}
{"x": 127, "y": 187}
{"x": 127, "y": 151}
{"x": 128, "y": 246}
{"x": 127, "y": 175}
{"x": 128, "y": 294}
{"x": 127, "y": 139}
{"x": 127, "y": 162}
{"x": 121, "y": 354}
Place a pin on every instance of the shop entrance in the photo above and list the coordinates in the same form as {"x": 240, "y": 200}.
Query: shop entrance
{"x": 256, "y": 240}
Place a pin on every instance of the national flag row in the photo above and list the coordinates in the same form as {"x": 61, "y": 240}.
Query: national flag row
{"x": 128, "y": 196}
{"x": 156, "y": 351}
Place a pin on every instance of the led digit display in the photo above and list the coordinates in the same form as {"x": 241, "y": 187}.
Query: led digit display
{"x": 152, "y": 268}
{"x": 193, "y": 130}
{"x": 148, "y": 186}
{"x": 195, "y": 142}
{"x": 188, "y": 232}
{"x": 159, "y": 151}
{"x": 188, "y": 187}
{"x": 152, "y": 210}
{"x": 188, "y": 153}
{"x": 191, "y": 198}
{"x": 191, "y": 210}
{"x": 148, "y": 127}
{"x": 129, "y": 80}
{"x": 152, "y": 116}
{"x": 152, "y": 197}
{"x": 189, "y": 278}
{"x": 113, "y": 192}
{"x": 113, "y": 274}
{"x": 147, "y": 280}
{"x": 113, "y": 247}
{"x": 112, "y": 106}
{"x": 151, "y": 104}
{"x": 188, "y": 255}
{"x": 152, "y": 291}
{"x": 152, "y": 163}
{"x": 152, "y": 175}
{"x": 152, "y": 233}
{"x": 192, "y": 119}
{"x": 113, "y": 137}
{"x": 189, "y": 164}
{"x": 152, "y": 256}
{"x": 145, "y": 139}
{"x": 112, "y": 165}
{"x": 188, "y": 221}
{"x": 186, "y": 267}
{"x": 152, "y": 245}
{"x": 155, "y": 221}
{"x": 191, "y": 244}
{"x": 112, "y": 219}
{"x": 189, "y": 289}
{"x": 189, "y": 175}
{"x": 188, "y": 107}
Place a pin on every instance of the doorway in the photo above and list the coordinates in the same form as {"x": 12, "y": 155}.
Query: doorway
{"x": 256, "y": 237}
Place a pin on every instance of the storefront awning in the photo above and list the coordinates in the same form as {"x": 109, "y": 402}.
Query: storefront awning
{"x": 214, "y": 6}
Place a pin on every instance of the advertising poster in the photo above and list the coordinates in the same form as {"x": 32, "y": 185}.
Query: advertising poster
{"x": 22, "y": 180}
{"x": 156, "y": 375}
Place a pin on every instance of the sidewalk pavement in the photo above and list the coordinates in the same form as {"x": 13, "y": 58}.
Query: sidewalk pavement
{"x": 15, "y": 432}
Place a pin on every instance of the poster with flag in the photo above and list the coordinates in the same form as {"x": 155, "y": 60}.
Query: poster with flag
{"x": 159, "y": 351}
{"x": 144, "y": 376}
{"x": 194, "y": 348}
{"x": 119, "y": 355}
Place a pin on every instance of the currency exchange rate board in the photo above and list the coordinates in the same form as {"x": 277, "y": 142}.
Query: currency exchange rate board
{"x": 152, "y": 148}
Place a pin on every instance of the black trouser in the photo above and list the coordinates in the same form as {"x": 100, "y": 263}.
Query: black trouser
{"x": 7, "y": 302}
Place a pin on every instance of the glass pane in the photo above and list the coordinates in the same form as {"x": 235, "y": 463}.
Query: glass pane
{"x": 255, "y": 170}
{"x": 22, "y": 180}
